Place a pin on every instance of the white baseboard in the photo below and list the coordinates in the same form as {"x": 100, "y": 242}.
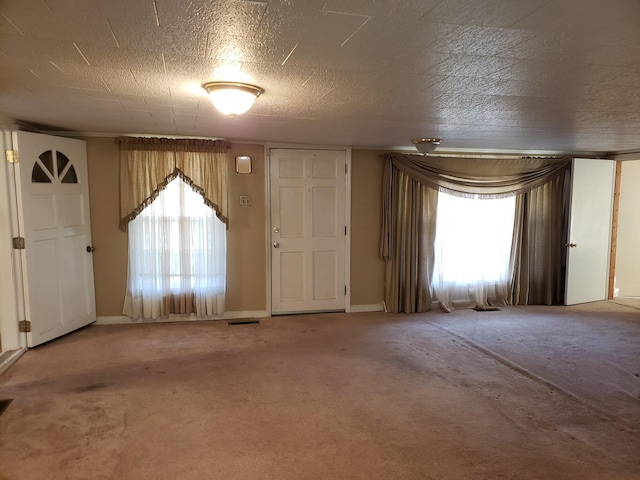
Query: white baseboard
{"x": 9, "y": 358}
{"x": 124, "y": 320}
{"x": 373, "y": 307}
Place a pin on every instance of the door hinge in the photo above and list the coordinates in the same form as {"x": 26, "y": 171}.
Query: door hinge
{"x": 345, "y": 289}
{"x": 345, "y": 229}
{"x": 12, "y": 156}
{"x": 346, "y": 168}
{"x": 19, "y": 243}
{"x": 24, "y": 326}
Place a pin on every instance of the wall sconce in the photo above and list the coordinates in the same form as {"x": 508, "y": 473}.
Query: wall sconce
{"x": 232, "y": 98}
{"x": 243, "y": 164}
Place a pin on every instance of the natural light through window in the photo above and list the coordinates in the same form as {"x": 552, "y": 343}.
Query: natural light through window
{"x": 177, "y": 246}
{"x": 473, "y": 239}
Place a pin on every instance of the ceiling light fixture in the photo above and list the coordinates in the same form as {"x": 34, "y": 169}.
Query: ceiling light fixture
{"x": 426, "y": 145}
{"x": 232, "y": 98}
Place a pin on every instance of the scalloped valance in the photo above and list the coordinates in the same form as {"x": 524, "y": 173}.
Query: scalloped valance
{"x": 147, "y": 165}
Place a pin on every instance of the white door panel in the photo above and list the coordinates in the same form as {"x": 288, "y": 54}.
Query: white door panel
{"x": 53, "y": 201}
{"x": 308, "y": 196}
{"x": 589, "y": 230}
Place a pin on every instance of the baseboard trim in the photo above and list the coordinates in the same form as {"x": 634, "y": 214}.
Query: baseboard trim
{"x": 9, "y": 358}
{"x": 373, "y": 307}
{"x": 124, "y": 320}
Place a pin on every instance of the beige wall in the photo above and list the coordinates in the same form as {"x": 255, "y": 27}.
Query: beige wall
{"x": 627, "y": 252}
{"x": 367, "y": 269}
{"x": 110, "y": 255}
{"x": 246, "y": 244}
{"x": 246, "y": 241}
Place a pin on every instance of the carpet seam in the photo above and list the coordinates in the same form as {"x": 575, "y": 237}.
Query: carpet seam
{"x": 537, "y": 378}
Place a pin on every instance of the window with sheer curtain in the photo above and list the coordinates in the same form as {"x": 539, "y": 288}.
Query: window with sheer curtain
{"x": 173, "y": 204}
{"x": 177, "y": 256}
{"x": 472, "y": 249}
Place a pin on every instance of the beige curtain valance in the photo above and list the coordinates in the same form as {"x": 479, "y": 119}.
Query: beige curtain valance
{"x": 488, "y": 178}
{"x": 147, "y": 165}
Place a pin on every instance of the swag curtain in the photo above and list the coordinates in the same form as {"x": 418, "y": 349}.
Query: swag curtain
{"x": 147, "y": 165}
{"x": 487, "y": 178}
{"x": 171, "y": 191}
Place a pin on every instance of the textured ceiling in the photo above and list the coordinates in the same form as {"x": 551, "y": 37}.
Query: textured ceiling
{"x": 524, "y": 75}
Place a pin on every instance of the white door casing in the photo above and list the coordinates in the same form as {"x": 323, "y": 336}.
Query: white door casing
{"x": 53, "y": 204}
{"x": 308, "y": 230}
{"x": 590, "y": 220}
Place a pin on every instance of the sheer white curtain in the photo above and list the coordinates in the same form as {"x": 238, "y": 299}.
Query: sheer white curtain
{"x": 177, "y": 257}
{"x": 472, "y": 250}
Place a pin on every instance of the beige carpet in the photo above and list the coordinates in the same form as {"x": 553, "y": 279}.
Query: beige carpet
{"x": 628, "y": 301}
{"x": 522, "y": 393}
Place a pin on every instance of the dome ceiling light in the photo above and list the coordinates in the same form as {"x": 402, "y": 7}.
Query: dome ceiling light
{"x": 232, "y": 98}
{"x": 426, "y": 145}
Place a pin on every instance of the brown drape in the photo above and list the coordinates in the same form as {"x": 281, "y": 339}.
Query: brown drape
{"x": 410, "y": 188}
{"x": 539, "y": 254}
{"x": 147, "y": 165}
{"x": 408, "y": 246}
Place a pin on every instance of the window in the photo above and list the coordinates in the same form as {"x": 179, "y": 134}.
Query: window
{"x": 177, "y": 256}
{"x": 472, "y": 247}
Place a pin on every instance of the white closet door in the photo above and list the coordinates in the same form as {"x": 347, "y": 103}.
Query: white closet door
{"x": 590, "y": 220}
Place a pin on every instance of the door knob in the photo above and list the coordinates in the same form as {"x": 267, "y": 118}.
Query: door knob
{"x": 276, "y": 244}
{"x": 91, "y": 249}
{"x": 570, "y": 245}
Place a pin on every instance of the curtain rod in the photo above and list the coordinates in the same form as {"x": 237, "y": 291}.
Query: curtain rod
{"x": 491, "y": 156}
{"x": 502, "y": 156}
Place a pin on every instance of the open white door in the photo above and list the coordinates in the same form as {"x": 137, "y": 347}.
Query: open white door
{"x": 308, "y": 234}
{"x": 53, "y": 204}
{"x": 589, "y": 230}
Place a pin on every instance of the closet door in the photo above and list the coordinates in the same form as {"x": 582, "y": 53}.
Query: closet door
{"x": 589, "y": 243}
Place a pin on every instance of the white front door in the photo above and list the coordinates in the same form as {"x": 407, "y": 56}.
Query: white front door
{"x": 308, "y": 230}
{"x": 53, "y": 200}
{"x": 589, "y": 230}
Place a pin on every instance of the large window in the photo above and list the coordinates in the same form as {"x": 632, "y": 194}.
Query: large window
{"x": 177, "y": 256}
{"x": 472, "y": 247}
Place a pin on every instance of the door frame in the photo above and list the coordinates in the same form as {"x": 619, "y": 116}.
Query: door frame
{"x": 12, "y": 294}
{"x": 347, "y": 219}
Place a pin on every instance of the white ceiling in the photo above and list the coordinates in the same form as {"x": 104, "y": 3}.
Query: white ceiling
{"x": 548, "y": 75}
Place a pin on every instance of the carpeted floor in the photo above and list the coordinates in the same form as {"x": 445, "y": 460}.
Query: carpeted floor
{"x": 521, "y": 393}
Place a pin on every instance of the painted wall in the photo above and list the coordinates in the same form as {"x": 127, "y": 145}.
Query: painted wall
{"x": 628, "y": 253}
{"x": 367, "y": 269}
{"x": 246, "y": 242}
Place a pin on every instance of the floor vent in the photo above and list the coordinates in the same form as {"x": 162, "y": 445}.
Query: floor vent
{"x": 4, "y": 404}
{"x": 243, "y": 322}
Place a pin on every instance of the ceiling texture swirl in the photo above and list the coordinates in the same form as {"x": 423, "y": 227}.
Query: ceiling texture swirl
{"x": 497, "y": 75}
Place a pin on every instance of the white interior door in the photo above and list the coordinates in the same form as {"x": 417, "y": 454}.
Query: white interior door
{"x": 589, "y": 230}
{"x": 53, "y": 200}
{"x": 308, "y": 230}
